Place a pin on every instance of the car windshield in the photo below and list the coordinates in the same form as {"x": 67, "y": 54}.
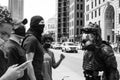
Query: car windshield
{"x": 71, "y": 44}
{"x": 57, "y": 44}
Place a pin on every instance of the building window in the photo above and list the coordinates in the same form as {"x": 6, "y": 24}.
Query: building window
{"x": 77, "y": 6}
{"x": 92, "y": 15}
{"x": 81, "y": 0}
{"x": 65, "y": 3}
{"x": 87, "y": 8}
{"x": 60, "y": 0}
{"x": 64, "y": 14}
{"x": 119, "y": 18}
{"x": 64, "y": 24}
{"x": 59, "y": 9}
{"x": 77, "y": 14}
{"x": 64, "y": 9}
{"x": 64, "y": 19}
{"x": 77, "y": 0}
{"x": 64, "y": 30}
{"x": 99, "y": 1}
{"x": 59, "y": 25}
{"x": 77, "y": 22}
{"x": 87, "y": 17}
{"x": 91, "y": 4}
{"x": 99, "y": 11}
{"x": 77, "y": 31}
{"x": 59, "y": 5}
{"x": 81, "y": 7}
{"x": 95, "y": 13}
{"x": 81, "y": 15}
{"x": 119, "y": 3}
{"x": 59, "y": 20}
{"x": 59, "y": 15}
{"x": 81, "y": 22}
{"x": 103, "y": 0}
{"x": 95, "y": 2}
{"x": 99, "y": 22}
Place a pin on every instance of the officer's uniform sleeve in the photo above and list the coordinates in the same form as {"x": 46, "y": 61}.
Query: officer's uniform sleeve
{"x": 110, "y": 62}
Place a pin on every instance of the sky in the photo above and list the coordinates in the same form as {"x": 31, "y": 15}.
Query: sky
{"x": 45, "y": 8}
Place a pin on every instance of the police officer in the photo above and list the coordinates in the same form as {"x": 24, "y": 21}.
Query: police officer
{"x": 98, "y": 55}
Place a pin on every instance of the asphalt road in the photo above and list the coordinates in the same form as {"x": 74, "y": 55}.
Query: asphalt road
{"x": 73, "y": 64}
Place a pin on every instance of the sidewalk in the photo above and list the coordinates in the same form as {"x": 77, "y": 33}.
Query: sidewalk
{"x": 64, "y": 73}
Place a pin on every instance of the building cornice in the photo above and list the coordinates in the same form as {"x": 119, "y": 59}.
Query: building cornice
{"x": 104, "y": 4}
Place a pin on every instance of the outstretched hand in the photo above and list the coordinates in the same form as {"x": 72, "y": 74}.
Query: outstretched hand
{"x": 62, "y": 56}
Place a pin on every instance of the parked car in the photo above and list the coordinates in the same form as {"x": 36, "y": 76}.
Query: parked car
{"x": 69, "y": 47}
{"x": 56, "y": 45}
{"x": 78, "y": 46}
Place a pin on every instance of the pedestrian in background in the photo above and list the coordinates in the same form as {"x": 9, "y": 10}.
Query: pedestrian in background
{"x": 15, "y": 53}
{"x": 49, "y": 59}
{"x": 33, "y": 47}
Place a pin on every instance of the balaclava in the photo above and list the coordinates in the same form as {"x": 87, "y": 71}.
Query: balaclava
{"x": 35, "y": 27}
{"x": 35, "y": 24}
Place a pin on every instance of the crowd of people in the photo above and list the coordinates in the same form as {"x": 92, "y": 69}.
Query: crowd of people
{"x": 25, "y": 55}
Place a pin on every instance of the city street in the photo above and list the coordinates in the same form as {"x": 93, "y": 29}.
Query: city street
{"x": 71, "y": 67}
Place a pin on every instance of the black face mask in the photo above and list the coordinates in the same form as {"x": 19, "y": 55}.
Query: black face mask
{"x": 91, "y": 47}
{"x": 46, "y": 45}
{"x": 38, "y": 28}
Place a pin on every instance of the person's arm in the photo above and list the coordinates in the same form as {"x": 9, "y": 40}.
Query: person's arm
{"x": 111, "y": 72}
{"x": 14, "y": 72}
{"x": 56, "y": 64}
{"x": 10, "y": 74}
{"x": 30, "y": 68}
{"x": 30, "y": 45}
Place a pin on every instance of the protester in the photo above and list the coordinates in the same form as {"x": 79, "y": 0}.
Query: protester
{"x": 6, "y": 25}
{"x": 33, "y": 47}
{"x": 15, "y": 53}
{"x": 49, "y": 59}
{"x": 98, "y": 55}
